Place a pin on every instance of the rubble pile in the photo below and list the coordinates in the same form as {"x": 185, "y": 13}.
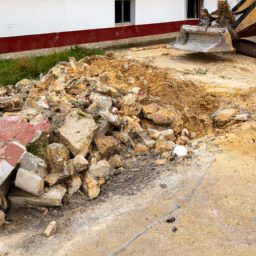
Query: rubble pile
{"x": 67, "y": 132}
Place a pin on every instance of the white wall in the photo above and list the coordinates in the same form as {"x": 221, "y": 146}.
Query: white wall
{"x": 28, "y": 17}
{"x": 211, "y": 5}
{"x": 157, "y": 11}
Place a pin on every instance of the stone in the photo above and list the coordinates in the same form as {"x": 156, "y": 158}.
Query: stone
{"x": 122, "y": 137}
{"x": 162, "y": 117}
{"x": 33, "y": 164}
{"x": 180, "y": 151}
{"x": 24, "y": 86}
{"x": 107, "y": 146}
{"x": 103, "y": 126}
{"x": 53, "y": 197}
{"x": 132, "y": 110}
{"x": 154, "y": 134}
{"x": 29, "y": 182}
{"x": 141, "y": 149}
{"x": 110, "y": 117}
{"x": 80, "y": 163}
{"x": 11, "y": 103}
{"x": 150, "y": 109}
{"x": 102, "y": 169}
{"x": 92, "y": 185}
{"x": 167, "y": 155}
{"x": 77, "y": 134}
{"x": 116, "y": 161}
{"x": 74, "y": 185}
{"x": 129, "y": 99}
{"x": 192, "y": 135}
{"x": 55, "y": 178}
{"x": 58, "y": 155}
{"x": 2, "y": 218}
{"x": 150, "y": 143}
{"x": 100, "y": 102}
{"x": 161, "y": 161}
{"x": 185, "y": 139}
{"x": 166, "y": 135}
{"x": 51, "y": 229}
{"x": 224, "y": 116}
{"x": 69, "y": 168}
{"x": 162, "y": 147}
{"x": 108, "y": 90}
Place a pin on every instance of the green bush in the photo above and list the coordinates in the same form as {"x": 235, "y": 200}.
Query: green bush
{"x": 14, "y": 70}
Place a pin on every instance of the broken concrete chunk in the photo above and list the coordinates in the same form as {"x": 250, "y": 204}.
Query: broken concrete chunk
{"x": 69, "y": 168}
{"x": 102, "y": 129}
{"x": 33, "y": 164}
{"x": 74, "y": 185}
{"x": 162, "y": 147}
{"x": 150, "y": 109}
{"x": 51, "y": 229}
{"x": 121, "y": 136}
{"x": 53, "y": 197}
{"x": 100, "y": 102}
{"x": 80, "y": 163}
{"x": 101, "y": 170}
{"x": 58, "y": 155}
{"x": 141, "y": 149}
{"x": 107, "y": 145}
{"x": 29, "y": 182}
{"x": 55, "y": 178}
{"x": 129, "y": 99}
{"x": 224, "y": 116}
{"x": 77, "y": 133}
{"x": 2, "y": 218}
{"x": 162, "y": 117}
{"x": 11, "y": 103}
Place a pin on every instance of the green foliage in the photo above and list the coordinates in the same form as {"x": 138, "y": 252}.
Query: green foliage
{"x": 14, "y": 70}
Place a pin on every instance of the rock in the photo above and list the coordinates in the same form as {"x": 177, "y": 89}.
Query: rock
{"x": 69, "y": 169}
{"x": 55, "y": 178}
{"x": 162, "y": 147}
{"x": 184, "y": 139}
{"x": 129, "y": 99}
{"x": 162, "y": 117}
{"x": 100, "y": 102}
{"x": 2, "y": 218}
{"x": 108, "y": 90}
{"x": 161, "y": 161}
{"x": 74, "y": 185}
{"x": 167, "y": 135}
{"x": 53, "y": 197}
{"x": 80, "y": 163}
{"x": 33, "y": 164}
{"x": 224, "y": 116}
{"x": 102, "y": 129}
{"x": 24, "y": 86}
{"x": 154, "y": 134}
{"x": 122, "y": 137}
{"x": 116, "y": 161}
{"x": 11, "y": 103}
{"x": 29, "y": 182}
{"x": 91, "y": 185}
{"x": 242, "y": 117}
{"x": 58, "y": 155}
{"x": 141, "y": 149}
{"x": 110, "y": 117}
{"x": 101, "y": 170}
{"x": 51, "y": 229}
{"x": 107, "y": 146}
{"x": 180, "y": 151}
{"x": 77, "y": 133}
{"x": 185, "y": 132}
{"x": 150, "y": 109}
{"x": 192, "y": 135}
{"x": 135, "y": 90}
{"x": 150, "y": 143}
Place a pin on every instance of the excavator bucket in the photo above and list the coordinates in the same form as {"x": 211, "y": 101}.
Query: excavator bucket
{"x": 202, "y": 39}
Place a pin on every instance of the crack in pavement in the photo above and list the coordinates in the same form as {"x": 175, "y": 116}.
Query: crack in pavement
{"x": 165, "y": 217}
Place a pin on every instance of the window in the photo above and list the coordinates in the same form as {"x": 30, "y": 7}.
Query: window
{"x": 122, "y": 11}
{"x": 192, "y": 9}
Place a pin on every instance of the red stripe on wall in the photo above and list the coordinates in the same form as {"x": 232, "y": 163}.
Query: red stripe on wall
{"x": 42, "y": 41}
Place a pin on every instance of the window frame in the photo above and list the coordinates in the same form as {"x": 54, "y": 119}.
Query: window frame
{"x": 186, "y": 10}
{"x": 124, "y": 22}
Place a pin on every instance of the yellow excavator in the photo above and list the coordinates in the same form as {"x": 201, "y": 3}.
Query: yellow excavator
{"x": 226, "y": 29}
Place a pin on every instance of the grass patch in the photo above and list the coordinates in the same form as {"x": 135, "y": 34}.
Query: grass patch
{"x": 14, "y": 70}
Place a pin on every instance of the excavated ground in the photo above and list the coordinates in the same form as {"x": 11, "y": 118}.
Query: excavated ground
{"x": 142, "y": 193}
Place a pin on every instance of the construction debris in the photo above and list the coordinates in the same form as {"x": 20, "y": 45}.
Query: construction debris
{"x": 51, "y": 229}
{"x": 77, "y": 122}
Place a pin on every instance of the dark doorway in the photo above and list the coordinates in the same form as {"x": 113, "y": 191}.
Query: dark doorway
{"x": 192, "y": 9}
{"x": 122, "y": 11}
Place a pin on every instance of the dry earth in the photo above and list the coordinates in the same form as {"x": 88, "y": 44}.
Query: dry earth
{"x": 210, "y": 194}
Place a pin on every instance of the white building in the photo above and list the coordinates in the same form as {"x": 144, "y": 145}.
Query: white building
{"x": 38, "y": 24}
